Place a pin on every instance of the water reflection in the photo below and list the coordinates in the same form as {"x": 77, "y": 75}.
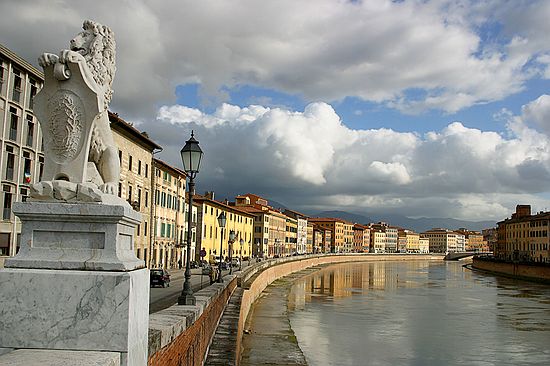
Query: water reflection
{"x": 419, "y": 313}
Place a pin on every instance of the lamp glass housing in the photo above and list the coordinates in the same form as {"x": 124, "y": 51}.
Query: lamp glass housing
{"x": 222, "y": 219}
{"x": 191, "y": 155}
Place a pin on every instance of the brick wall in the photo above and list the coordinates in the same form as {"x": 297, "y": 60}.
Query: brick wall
{"x": 181, "y": 335}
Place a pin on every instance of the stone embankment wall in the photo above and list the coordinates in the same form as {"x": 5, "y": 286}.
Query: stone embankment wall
{"x": 262, "y": 276}
{"x": 530, "y": 272}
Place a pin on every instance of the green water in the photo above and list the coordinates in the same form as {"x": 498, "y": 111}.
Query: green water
{"x": 419, "y": 313}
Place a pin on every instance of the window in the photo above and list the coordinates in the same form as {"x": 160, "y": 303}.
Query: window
{"x": 157, "y": 197}
{"x": 146, "y": 198}
{"x": 130, "y": 194}
{"x": 41, "y": 167}
{"x": 162, "y": 229}
{"x": 10, "y": 163}
{"x": 139, "y": 167}
{"x": 146, "y": 170}
{"x": 130, "y": 162}
{"x": 6, "y": 215}
{"x": 14, "y": 123}
{"x": 145, "y": 228}
{"x": 24, "y": 194}
{"x": 119, "y": 189}
{"x": 138, "y": 230}
{"x": 163, "y": 199}
{"x": 30, "y": 130}
{"x": 26, "y": 168}
{"x": 32, "y": 93}
{"x": 120, "y": 157}
{"x": 16, "y": 93}
{"x": 2, "y": 79}
{"x": 139, "y": 197}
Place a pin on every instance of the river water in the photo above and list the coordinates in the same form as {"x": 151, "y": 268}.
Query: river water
{"x": 419, "y": 313}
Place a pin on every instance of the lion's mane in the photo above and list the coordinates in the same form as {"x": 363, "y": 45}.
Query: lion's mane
{"x": 101, "y": 56}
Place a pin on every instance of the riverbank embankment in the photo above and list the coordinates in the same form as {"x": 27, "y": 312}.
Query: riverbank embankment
{"x": 255, "y": 286}
{"x": 524, "y": 271}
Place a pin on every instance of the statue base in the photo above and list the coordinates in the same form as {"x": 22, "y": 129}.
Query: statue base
{"x": 77, "y": 236}
{"x": 76, "y": 310}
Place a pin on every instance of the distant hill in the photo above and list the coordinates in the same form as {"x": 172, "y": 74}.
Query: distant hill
{"x": 418, "y": 225}
{"x": 348, "y": 216}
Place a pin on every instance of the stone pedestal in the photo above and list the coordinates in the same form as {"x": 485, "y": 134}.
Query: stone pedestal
{"x": 76, "y": 310}
{"x": 83, "y": 236}
{"x": 76, "y": 283}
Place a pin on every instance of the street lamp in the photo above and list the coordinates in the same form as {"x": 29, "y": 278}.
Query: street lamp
{"x": 191, "y": 155}
{"x": 241, "y": 254}
{"x": 221, "y": 221}
{"x": 231, "y": 241}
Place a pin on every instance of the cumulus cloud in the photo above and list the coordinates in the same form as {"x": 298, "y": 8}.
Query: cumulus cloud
{"x": 321, "y": 50}
{"x": 310, "y": 158}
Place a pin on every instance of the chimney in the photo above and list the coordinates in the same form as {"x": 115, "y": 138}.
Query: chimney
{"x": 523, "y": 211}
{"x": 209, "y": 195}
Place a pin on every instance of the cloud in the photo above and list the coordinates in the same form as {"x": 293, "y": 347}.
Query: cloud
{"x": 322, "y": 50}
{"x": 538, "y": 111}
{"x": 312, "y": 160}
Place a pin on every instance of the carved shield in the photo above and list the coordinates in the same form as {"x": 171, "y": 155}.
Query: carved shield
{"x": 67, "y": 109}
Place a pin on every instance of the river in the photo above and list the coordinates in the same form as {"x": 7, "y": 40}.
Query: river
{"x": 418, "y": 313}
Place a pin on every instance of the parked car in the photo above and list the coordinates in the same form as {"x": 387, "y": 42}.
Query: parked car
{"x": 235, "y": 262}
{"x": 206, "y": 269}
{"x": 160, "y": 277}
{"x": 193, "y": 264}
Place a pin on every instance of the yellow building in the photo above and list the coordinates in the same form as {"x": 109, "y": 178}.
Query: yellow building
{"x": 210, "y": 233}
{"x": 348, "y": 237}
{"x": 291, "y": 237}
{"x": 341, "y": 232}
{"x": 169, "y": 216}
{"x": 277, "y": 233}
{"x": 474, "y": 241}
{"x": 310, "y": 238}
{"x": 524, "y": 236}
{"x": 413, "y": 242}
{"x": 135, "y": 153}
{"x": 269, "y": 226}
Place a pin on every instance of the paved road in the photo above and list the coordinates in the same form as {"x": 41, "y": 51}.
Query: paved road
{"x": 161, "y": 298}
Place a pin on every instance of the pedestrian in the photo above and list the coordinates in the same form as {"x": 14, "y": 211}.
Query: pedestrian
{"x": 179, "y": 264}
{"x": 212, "y": 275}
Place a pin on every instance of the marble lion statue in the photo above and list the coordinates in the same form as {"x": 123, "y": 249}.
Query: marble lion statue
{"x": 94, "y": 48}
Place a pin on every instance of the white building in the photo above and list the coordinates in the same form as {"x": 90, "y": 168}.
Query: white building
{"x": 441, "y": 240}
{"x": 21, "y": 157}
{"x": 301, "y": 237}
{"x": 378, "y": 238}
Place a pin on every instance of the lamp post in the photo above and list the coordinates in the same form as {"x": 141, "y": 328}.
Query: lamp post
{"x": 231, "y": 241}
{"x": 191, "y": 155}
{"x": 221, "y": 221}
{"x": 241, "y": 254}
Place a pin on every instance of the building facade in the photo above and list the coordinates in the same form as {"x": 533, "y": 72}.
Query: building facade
{"x": 213, "y": 239}
{"x": 169, "y": 216}
{"x": 21, "y": 159}
{"x": 135, "y": 153}
{"x": 441, "y": 240}
{"x": 524, "y": 237}
{"x": 302, "y": 230}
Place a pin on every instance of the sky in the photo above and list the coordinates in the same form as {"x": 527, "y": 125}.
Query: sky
{"x": 420, "y": 108}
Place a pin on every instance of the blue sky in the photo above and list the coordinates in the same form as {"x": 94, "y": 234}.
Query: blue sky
{"x": 360, "y": 114}
{"x": 435, "y": 108}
